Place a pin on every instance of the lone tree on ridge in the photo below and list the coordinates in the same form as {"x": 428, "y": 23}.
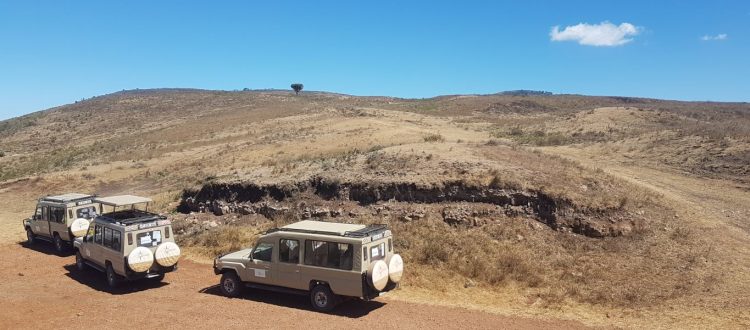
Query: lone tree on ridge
{"x": 297, "y": 88}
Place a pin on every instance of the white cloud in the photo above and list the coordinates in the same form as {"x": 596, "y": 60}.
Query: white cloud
{"x": 603, "y": 34}
{"x": 720, "y": 36}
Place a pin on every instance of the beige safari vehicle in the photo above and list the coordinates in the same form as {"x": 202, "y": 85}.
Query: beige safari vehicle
{"x": 58, "y": 217}
{"x": 127, "y": 242}
{"x": 327, "y": 261}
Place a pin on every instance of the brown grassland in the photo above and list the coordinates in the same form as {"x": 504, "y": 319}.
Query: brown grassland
{"x": 607, "y": 210}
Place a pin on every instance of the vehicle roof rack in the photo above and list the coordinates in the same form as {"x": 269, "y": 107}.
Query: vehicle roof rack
{"x": 67, "y": 198}
{"x": 129, "y": 217}
{"x": 370, "y": 230}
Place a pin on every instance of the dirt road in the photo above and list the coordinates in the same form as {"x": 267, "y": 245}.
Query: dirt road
{"x": 43, "y": 290}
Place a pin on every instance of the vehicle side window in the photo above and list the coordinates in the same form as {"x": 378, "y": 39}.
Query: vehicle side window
{"x": 108, "y": 237}
{"x": 90, "y": 233}
{"x": 38, "y": 214}
{"x": 57, "y": 214}
{"x": 116, "y": 240}
{"x": 45, "y": 213}
{"x": 70, "y": 214}
{"x": 289, "y": 251}
{"x": 263, "y": 252}
{"x": 329, "y": 254}
{"x": 98, "y": 235}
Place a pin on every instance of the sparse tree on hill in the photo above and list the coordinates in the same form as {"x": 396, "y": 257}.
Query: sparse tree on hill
{"x": 297, "y": 88}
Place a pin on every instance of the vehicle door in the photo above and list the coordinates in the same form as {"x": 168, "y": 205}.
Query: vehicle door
{"x": 111, "y": 249}
{"x": 57, "y": 222}
{"x": 87, "y": 244}
{"x": 94, "y": 247}
{"x": 260, "y": 266}
{"x": 42, "y": 226}
{"x": 36, "y": 220}
{"x": 288, "y": 264}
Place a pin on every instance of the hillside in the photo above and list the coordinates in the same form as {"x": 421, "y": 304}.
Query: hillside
{"x": 606, "y": 210}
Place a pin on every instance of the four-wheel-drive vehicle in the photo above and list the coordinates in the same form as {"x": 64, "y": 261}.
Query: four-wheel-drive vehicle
{"x": 128, "y": 243}
{"x": 58, "y": 218}
{"x": 328, "y": 261}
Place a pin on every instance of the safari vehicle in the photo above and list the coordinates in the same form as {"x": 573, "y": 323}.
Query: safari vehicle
{"x": 128, "y": 242}
{"x": 57, "y": 217}
{"x": 327, "y": 261}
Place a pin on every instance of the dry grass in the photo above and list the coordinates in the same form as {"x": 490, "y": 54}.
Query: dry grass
{"x": 679, "y": 168}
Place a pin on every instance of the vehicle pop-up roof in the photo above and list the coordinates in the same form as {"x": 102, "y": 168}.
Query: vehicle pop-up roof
{"x": 124, "y": 209}
{"x": 123, "y": 201}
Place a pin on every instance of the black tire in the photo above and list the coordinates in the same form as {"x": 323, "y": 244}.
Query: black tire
{"x": 113, "y": 280}
{"x": 30, "y": 237}
{"x": 158, "y": 278}
{"x": 322, "y": 298}
{"x": 231, "y": 285}
{"x": 80, "y": 263}
{"x": 59, "y": 244}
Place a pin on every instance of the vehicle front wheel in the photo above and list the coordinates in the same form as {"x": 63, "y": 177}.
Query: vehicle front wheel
{"x": 113, "y": 280}
{"x": 80, "y": 264}
{"x": 231, "y": 285}
{"x": 322, "y": 298}
{"x": 30, "y": 237}
{"x": 59, "y": 245}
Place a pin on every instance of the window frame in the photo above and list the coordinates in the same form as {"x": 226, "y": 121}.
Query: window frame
{"x": 311, "y": 260}
{"x": 299, "y": 247}
{"x": 381, "y": 251}
{"x": 116, "y": 234}
{"x": 98, "y": 233}
{"x": 107, "y": 242}
{"x": 270, "y": 256}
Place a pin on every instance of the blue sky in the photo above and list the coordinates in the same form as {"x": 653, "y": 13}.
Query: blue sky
{"x": 56, "y": 52}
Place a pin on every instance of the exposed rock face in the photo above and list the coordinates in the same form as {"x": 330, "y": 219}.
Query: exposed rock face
{"x": 269, "y": 200}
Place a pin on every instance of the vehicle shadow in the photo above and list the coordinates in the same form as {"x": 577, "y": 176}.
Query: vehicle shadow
{"x": 354, "y": 308}
{"x": 46, "y": 248}
{"x": 95, "y": 280}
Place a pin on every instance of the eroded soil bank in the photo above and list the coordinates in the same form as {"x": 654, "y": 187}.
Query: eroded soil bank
{"x": 462, "y": 203}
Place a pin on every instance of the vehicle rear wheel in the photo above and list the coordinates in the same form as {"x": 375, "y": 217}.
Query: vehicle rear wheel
{"x": 322, "y": 298}
{"x": 30, "y": 237}
{"x": 80, "y": 264}
{"x": 231, "y": 286}
{"x": 59, "y": 245}
{"x": 113, "y": 280}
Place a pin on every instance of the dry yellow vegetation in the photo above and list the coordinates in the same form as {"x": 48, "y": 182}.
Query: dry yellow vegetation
{"x": 612, "y": 211}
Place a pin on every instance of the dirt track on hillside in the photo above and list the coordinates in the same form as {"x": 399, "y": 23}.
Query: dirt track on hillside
{"x": 43, "y": 290}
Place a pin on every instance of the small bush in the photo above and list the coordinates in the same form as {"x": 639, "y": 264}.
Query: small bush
{"x": 434, "y": 137}
{"x": 516, "y": 131}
